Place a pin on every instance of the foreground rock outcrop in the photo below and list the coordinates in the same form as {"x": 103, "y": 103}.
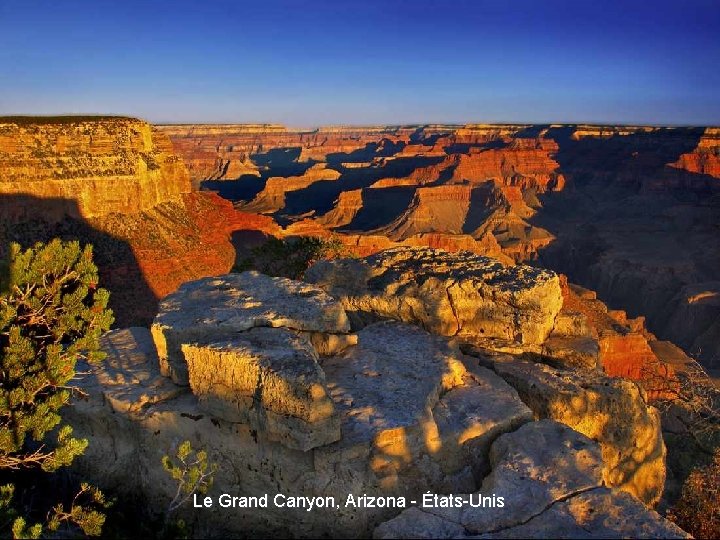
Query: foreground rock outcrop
{"x": 219, "y": 308}
{"x": 451, "y": 295}
{"x": 550, "y": 478}
{"x": 612, "y": 411}
{"x": 293, "y": 404}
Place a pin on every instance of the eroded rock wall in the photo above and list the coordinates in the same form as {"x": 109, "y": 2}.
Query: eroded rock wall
{"x": 629, "y": 211}
{"x": 103, "y": 166}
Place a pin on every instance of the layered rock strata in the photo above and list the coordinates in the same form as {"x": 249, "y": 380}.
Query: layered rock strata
{"x": 115, "y": 183}
{"x": 100, "y": 167}
{"x": 629, "y": 211}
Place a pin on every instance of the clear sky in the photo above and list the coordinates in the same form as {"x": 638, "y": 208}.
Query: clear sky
{"x": 312, "y": 62}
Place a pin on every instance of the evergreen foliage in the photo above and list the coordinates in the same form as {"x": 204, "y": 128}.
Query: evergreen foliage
{"x": 52, "y": 314}
{"x": 290, "y": 257}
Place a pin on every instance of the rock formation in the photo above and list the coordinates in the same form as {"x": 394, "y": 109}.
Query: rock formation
{"x": 272, "y": 197}
{"x": 115, "y": 183}
{"x": 292, "y": 394}
{"x": 551, "y": 480}
{"x": 446, "y": 294}
{"x": 220, "y": 308}
{"x": 105, "y": 166}
{"x": 629, "y": 211}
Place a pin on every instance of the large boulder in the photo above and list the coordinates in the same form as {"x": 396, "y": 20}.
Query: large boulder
{"x": 550, "y": 480}
{"x": 268, "y": 378}
{"x": 411, "y": 418}
{"x": 219, "y": 307}
{"x": 264, "y": 374}
{"x": 532, "y": 468}
{"x": 412, "y": 410}
{"x": 446, "y": 293}
{"x": 610, "y": 410}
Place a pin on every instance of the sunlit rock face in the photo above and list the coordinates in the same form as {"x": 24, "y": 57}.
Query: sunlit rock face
{"x": 115, "y": 183}
{"x": 105, "y": 166}
{"x": 612, "y": 411}
{"x": 289, "y": 398}
{"x": 272, "y": 197}
{"x": 219, "y": 308}
{"x": 552, "y": 483}
{"x": 448, "y": 294}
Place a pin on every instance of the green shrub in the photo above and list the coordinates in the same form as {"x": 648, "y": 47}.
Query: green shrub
{"x": 290, "y": 257}
{"x": 193, "y": 473}
{"x": 51, "y": 315}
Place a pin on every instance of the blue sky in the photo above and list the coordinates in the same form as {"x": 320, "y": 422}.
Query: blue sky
{"x": 312, "y": 62}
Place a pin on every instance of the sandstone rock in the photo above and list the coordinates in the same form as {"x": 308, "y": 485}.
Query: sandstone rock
{"x": 392, "y": 410}
{"x": 117, "y": 184}
{"x": 448, "y": 294}
{"x": 272, "y": 197}
{"x": 96, "y": 166}
{"x": 551, "y": 479}
{"x": 612, "y": 411}
{"x": 400, "y": 394}
{"x": 405, "y": 394}
{"x": 124, "y": 386}
{"x": 130, "y": 379}
{"x": 532, "y": 468}
{"x": 471, "y": 417}
{"x": 128, "y": 437}
{"x": 578, "y": 352}
{"x": 268, "y": 378}
{"x": 669, "y": 173}
{"x": 414, "y": 523}
{"x": 217, "y": 308}
{"x": 385, "y": 389}
{"x": 571, "y": 323}
{"x": 588, "y": 334}
{"x": 597, "y": 513}
{"x": 329, "y": 344}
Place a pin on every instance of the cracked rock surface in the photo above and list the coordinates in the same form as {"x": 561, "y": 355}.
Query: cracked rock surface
{"x": 610, "y": 410}
{"x": 265, "y": 375}
{"x": 446, "y": 293}
{"x": 222, "y": 306}
{"x": 268, "y": 378}
{"x": 551, "y": 479}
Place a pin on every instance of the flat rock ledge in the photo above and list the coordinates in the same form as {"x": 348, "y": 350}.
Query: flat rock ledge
{"x": 446, "y": 293}
{"x": 266, "y": 375}
{"x": 220, "y": 307}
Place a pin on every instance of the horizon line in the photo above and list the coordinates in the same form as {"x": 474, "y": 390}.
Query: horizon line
{"x": 290, "y": 127}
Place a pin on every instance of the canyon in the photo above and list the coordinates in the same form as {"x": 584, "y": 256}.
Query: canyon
{"x": 631, "y": 212}
{"x": 505, "y": 287}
